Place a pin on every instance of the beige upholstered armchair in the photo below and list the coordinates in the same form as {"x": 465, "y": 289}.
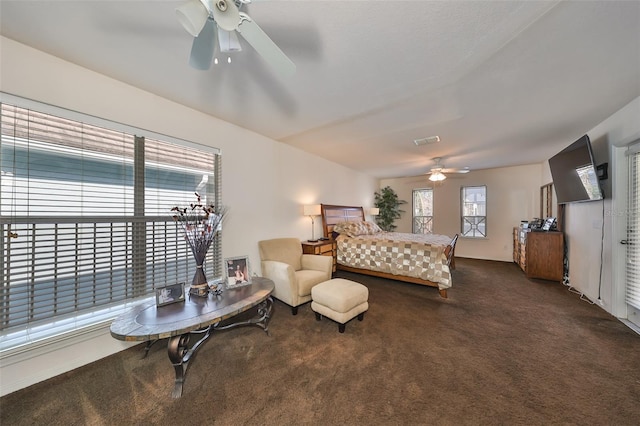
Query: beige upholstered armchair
{"x": 293, "y": 273}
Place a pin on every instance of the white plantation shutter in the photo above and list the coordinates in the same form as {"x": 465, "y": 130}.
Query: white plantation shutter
{"x": 633, "y": 229}
{"x": 85, "y": 216}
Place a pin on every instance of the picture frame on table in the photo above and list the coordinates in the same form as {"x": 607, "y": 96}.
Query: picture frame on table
{"x": 170, "y": 294}
{"x": 237, "y": 270}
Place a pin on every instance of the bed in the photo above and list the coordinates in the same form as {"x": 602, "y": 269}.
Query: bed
{"x": 363, "y": 248}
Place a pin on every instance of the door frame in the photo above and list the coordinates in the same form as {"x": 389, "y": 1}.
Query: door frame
{"x": 618, "y": 213}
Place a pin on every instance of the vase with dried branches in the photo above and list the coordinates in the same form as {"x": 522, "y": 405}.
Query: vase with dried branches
{"x": 200, "y": 225}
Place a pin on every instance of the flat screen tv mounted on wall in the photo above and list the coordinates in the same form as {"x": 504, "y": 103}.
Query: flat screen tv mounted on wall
{"x": 574, "y": 173}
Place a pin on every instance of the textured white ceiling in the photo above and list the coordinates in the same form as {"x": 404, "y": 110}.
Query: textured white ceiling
{"x": 501, "y": 82}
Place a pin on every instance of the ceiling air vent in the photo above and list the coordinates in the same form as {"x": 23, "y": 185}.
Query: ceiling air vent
{"x": 427, "y": 141}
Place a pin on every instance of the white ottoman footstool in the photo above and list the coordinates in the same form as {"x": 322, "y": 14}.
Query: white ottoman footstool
{"x": 341, "y": 300}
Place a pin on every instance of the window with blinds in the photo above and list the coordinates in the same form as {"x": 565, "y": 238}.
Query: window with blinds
{"x": 633, "y": 229}
{"x": 85, "y": 216}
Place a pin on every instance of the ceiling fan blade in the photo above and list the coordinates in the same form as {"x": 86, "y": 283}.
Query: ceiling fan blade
{"x": 455, "y": 170}
{"x": 261, "y": 42}
{"x": 439, "y": 167}
{"x": 202, "y": 47}
{"x": 226, "y": 14}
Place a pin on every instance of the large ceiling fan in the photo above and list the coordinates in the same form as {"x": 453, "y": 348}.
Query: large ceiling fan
{"x": 214, "y": 24}
{"x": 438, "y": 171}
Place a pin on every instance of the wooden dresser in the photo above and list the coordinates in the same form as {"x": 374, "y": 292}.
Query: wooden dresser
{"x": 322, "y": 248}
{"x": 539, "y": 254}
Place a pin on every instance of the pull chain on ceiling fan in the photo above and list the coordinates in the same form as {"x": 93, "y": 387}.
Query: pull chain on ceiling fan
{"x": 214, "y": 24}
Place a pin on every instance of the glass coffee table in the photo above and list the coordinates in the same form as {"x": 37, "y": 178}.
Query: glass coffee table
{"x": 195, "y": 316}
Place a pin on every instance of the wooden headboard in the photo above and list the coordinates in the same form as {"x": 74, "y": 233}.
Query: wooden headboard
{"x": 335, "y": 214}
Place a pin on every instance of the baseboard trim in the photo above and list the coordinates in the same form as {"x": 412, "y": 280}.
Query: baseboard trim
{"x": 631, "y": 325}
{"x": 22, "y": 369}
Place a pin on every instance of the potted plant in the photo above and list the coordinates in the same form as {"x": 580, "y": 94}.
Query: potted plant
{"x": 387, "y": 201}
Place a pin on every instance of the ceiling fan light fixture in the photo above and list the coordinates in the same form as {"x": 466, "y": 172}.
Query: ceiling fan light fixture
{"x": 228, "y": 41}
{"x": 226, "y": 14}
{"x": 192, "y": 15}
{"x": 437, "y": 176}
{"x": 197, "y": 16}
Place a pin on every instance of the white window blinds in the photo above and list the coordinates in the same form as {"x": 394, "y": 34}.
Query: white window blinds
{"x": 85, "y": 215}
{"x": 633, "y": 230}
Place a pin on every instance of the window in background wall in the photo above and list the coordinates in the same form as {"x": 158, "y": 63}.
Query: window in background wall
{"x": 423, "y": 211}
{"x": 474, "y": 211}
{"x": 85, "y": 218}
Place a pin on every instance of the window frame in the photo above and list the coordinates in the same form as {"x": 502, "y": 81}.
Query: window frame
{"x": 476, "y": 218}
{"x": 12, "y": 337}
{"x": 415, "y": 219}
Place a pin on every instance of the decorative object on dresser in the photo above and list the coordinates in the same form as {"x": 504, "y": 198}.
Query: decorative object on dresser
{"x": 293, "y": 272}
{"x": 312, "y": 210}
{"x": 540, "y": 254}
{"x": 322, "y": 248}
{"x": 362, "y": 247}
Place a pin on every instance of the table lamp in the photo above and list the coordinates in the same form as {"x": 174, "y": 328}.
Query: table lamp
{"x": 312, "y": 210}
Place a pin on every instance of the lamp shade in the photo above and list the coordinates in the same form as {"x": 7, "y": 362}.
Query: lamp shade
{"x": 192, "y": 15}
{"x": 312, "y": 210}
{"x": 375, "y": 211}
{"x": 437, "y": 176}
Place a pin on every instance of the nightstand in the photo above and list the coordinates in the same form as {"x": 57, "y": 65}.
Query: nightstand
{"x": 322, "y": 248}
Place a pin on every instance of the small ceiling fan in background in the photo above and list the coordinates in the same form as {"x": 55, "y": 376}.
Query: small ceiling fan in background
{"x": 214, "y": 24}
{"x": 438, "y": 171}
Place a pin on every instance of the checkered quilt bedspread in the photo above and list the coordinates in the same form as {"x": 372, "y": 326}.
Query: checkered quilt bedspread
{"x": 414, "y": 255}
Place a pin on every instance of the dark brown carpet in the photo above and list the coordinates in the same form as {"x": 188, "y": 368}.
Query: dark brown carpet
{"x": 501, "y": 350}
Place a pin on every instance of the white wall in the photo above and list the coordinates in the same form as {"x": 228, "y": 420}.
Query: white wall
{"x": 584, "y": 228}
{"x": 513, "y": 194}
{"x": 265, "y": 183}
